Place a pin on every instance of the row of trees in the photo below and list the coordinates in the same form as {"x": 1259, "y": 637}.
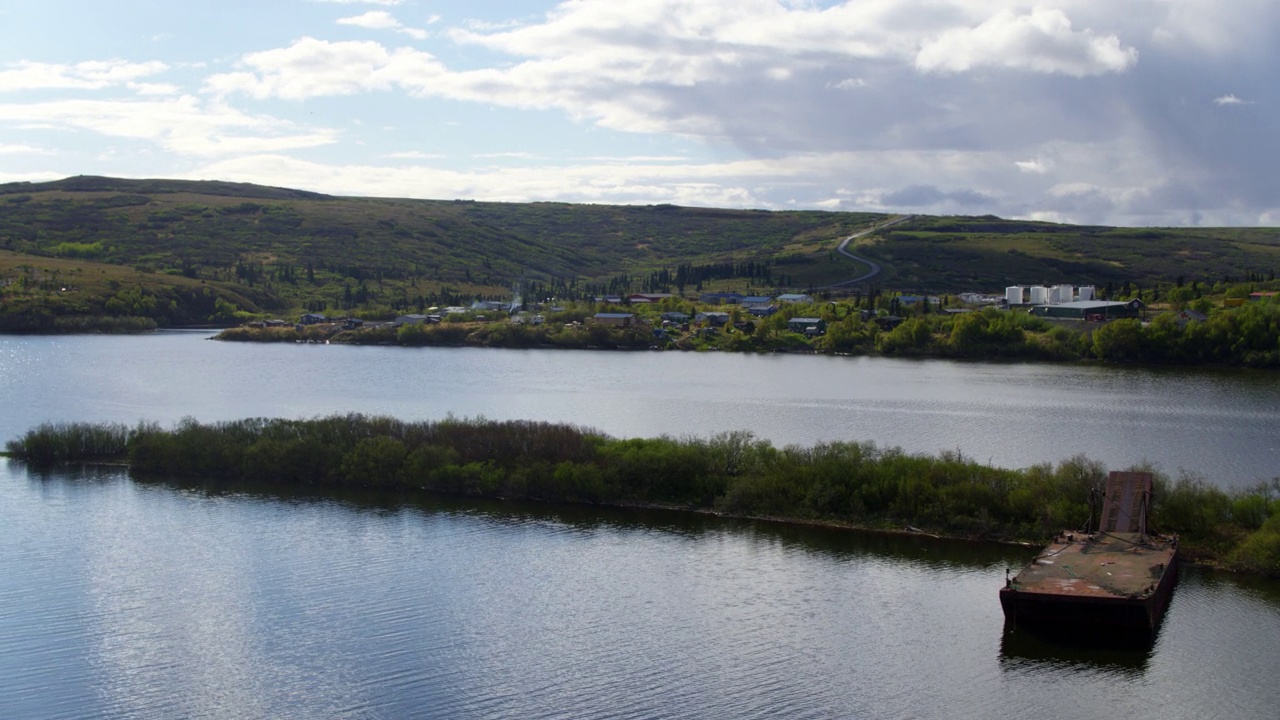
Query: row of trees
{"x": 847, "y": 482}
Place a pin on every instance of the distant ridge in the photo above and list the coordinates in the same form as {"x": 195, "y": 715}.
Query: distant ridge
{"x": 96, "y": 183}
{"x": 402, "y": 249}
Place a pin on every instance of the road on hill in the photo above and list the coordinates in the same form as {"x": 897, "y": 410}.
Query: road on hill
{"x": 873, "y": 266}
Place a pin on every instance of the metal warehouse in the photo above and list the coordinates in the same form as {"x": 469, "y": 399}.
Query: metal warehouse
{"x": 1091, "y": 310}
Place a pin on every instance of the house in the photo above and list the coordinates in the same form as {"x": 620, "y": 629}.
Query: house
{"x": 762, "y": 310}
{"x": 649, "y": 297}
{"x": 1257, "y": 296}
{"x": 803, "y": 324}
{"x": 721, "y": 298}
{"x": 751, "y": 301}
{"x": 614, "y": 319}
{"x": 1186, "y": 316}
{"x": 352, "y": 323}
{"x": 410, "y": 320}
{"x": 795, "y": 298}
{"x": 675, "y": 317}
{"x": 313, "y": 319}
{"x": 715, "y": 319}
{"x": 275, "y": 322}
{"x": 888, "y": 322}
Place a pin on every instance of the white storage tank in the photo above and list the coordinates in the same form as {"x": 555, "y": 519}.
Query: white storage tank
{"x": 1039, "y": 295}
{"x": 1065, "y": 293}
{"x": 1086, "y": 293}
{"x": 1013, "y": 295}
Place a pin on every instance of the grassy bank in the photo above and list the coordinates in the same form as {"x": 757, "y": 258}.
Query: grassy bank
{"x": 856, "y": 484}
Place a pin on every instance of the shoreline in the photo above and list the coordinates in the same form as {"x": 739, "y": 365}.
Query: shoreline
{"x": 1192, "y": 556}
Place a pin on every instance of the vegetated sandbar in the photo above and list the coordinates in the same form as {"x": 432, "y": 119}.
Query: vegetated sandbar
{"x": 849, "y": 484}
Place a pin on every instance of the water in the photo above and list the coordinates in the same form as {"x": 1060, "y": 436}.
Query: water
{"x": 128, "y": 599}
{"x": 1222, "y": 425}
{"x": 123, "y": 599}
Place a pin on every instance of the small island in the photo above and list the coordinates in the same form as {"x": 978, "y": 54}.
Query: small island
{"x": 843, "y": 484}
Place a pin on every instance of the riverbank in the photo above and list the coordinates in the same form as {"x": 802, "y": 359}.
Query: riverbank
{"x": 1243, "y": 336}
{"x": 843, "y": 484}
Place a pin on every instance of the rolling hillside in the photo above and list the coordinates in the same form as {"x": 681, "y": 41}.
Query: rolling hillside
{"x": 265, "y": 249}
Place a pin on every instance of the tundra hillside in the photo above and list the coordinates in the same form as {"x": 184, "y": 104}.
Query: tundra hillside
{"x": 103, "y": 253}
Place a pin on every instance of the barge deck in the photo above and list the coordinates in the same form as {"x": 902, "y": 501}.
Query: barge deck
{"x": 1117, "y": 579}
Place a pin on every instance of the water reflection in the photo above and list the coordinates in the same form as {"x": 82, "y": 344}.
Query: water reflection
{"x": 149, "y": 598}
{"x": 919, "y": 549}
{"x": 1022, "y": 651}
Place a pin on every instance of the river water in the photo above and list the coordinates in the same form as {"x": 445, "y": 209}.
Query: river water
{"x": 1221, "y": 425}
{"x": 128, "y": 599}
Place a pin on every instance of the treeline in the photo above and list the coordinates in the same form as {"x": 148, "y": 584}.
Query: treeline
{"x": 842, "y": 482}
{"x": 1244, "y": 336}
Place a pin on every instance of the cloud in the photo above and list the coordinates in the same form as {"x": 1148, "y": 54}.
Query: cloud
{"x": 1041, "y": 41}
{"x": 181, "y": 125}
{"x": 373, "y": 20}
{"x": 1038, "y": 166}
{"x": 930, "y": 196}
{"x": 23, "y": 150}
{"x": 1080, "y": 109}
{"x": 318, "y": 68}
{"x": 414, "y": 155}
{"x": 382, "y": 20}
{"x": 89, "y": 75}
{"x": 682, "y": 185}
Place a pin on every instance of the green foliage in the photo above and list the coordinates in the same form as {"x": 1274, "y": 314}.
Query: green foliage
{"x": 990, "y": 333}
{"x": 1260, "y": 552}
{"x": 1248, "y": 336}
{"x": 914, "y": 336}
{"x": 851, "y": 483}
{"x": 60, "y": 442}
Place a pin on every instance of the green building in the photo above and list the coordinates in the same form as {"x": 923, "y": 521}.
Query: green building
{"x": 1095, "y": 310}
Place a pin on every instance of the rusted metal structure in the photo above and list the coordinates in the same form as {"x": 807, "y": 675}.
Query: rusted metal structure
{"x": 1118, "y": 578}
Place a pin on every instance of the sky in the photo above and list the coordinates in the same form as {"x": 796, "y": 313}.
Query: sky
{"x": 1143, "y": 112}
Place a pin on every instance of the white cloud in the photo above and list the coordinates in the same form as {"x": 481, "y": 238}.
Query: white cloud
{"x": 89, "y": 75}
{"x": 848, "y": 84}
{"x": 180, "y": 125}
{"x": 1037, "y": 166}
{"x": 1041, "y": 41}
{"x": 373, "y": 20}
{"x": 317, "y": 68}
{"x": 414, "y": 155}
{"x": 382, "y": 20}
{"x": 1067, "y": 110}
{"x": 23, "y": 150}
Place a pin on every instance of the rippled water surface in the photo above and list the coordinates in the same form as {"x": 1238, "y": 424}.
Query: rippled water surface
{"x": 123, "y": 599}
{"x": 128, "y": 599}
{"x": 1223, "y": 425}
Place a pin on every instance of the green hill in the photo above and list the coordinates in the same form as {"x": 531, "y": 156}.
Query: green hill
{"x": 265, "y": 249}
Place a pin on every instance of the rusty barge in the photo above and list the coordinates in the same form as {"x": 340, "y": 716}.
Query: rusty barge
{"x": 1116, "y": 580}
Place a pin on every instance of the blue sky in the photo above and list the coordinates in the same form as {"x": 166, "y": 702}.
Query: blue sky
{"x": 1147, "y": 112}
